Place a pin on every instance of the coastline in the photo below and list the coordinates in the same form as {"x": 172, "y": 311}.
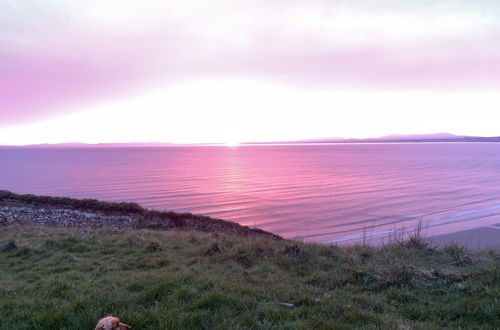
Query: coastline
{"x": 70, "y": 212}
{"x": 192, "y": 279}
{"x": 184, "y": 271}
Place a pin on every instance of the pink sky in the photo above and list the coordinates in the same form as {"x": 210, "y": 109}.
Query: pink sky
{"x": 60, "y": 61}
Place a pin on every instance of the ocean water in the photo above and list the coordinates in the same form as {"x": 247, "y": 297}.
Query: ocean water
{"x": 320, "y": 193}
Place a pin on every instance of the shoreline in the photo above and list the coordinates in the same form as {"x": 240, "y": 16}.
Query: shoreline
{"x": 70, "y": 212}
{"x": 486, "y": 237}
{"x": 192, "y": 279}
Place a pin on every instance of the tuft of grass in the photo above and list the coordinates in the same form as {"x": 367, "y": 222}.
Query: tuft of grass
{"x": 292, "y": 250}
{"x": 460, "y": 254}
{"x": 153, "y": 247}
{"x": 9, "y": 246}
{"x": 68, "y": 278}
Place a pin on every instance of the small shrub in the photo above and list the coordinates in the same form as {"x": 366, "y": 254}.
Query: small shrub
{"x": 366, "y": 255}
{"x": 243, "y": 258}
{"x": 51, "y": 244}
{"x": 24, "y": 251}
{"x": 415, "y": 242}
{"x": 404, "y": 275}
{"x": 363, "y": 277}
{"x": 423, "y": 278}
{"x": 9, "y": 246}
{"x": 292, "y": 250}
{"x": 227, "y": 244}
{"x": 153, "y": 247}
{"x": 193, "y": 239}
{"x": 213, "y": 249}
{"x": 459, "y": 254}
{"x": 178, "y": 220}
{"x": 399, "y": 275}
{"x": 259, "y": 251}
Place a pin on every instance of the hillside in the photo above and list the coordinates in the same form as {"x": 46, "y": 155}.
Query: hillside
{"x": 397, "y": 138}
{"x": 71, "y": 212}
{"x": 68, "y": 278}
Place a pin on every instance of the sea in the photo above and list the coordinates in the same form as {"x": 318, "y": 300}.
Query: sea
{"x": 324, "y": 193}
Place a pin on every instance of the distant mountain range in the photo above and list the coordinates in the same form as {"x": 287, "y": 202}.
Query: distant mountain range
{"x": 413, "y": 138}
{"x": 439, "y": 137}
{"x": 102, "y": 145}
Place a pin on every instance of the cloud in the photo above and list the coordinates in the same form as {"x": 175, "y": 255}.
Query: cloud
{"x": 225, "y": 110}
{"x": 59, "y": 55}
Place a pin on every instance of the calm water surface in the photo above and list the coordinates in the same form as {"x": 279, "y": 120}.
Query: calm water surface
{"x": 322, "y": 193}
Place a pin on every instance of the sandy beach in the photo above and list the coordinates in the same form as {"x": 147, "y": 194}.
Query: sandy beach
{"x": 477, "y": 238}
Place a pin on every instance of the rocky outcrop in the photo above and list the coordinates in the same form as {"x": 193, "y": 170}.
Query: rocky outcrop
{"x": 65, "y": 217}
{"x": 69, "y": 212}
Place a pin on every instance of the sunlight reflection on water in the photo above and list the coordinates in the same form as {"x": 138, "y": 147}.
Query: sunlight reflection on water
{"x": 325, "y": 193}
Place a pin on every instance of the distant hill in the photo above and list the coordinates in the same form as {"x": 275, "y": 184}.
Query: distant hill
{"x": 394, "y": 138}
{"x": 413, "y": 138}
{"x": 99, "y": 145}
{"x": 435, "y": 136}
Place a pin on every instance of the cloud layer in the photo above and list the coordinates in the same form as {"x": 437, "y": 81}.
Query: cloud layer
{"x": 61, "y": 56}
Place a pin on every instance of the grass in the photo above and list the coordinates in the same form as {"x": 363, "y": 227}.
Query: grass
{"x": 68, "y": 278}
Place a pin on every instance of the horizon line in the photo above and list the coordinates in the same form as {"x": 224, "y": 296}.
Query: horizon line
{"x": 392, "y": 138}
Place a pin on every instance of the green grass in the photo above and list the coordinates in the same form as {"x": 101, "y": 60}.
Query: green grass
{"x": 56, "y": 278}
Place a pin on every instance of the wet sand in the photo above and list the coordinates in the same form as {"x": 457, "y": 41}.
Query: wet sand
{"x": 477, "y": 238}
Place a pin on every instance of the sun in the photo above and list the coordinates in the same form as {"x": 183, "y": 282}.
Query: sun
{"x": 232, "y": 143}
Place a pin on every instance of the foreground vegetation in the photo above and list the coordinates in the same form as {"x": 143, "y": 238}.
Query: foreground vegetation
{"x": 67, "y": 278}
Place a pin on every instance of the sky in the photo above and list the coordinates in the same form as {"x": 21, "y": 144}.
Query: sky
{"x": 230, "y": 71}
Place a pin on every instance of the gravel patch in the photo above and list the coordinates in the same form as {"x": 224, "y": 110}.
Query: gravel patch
{"x": 66, "y": 217}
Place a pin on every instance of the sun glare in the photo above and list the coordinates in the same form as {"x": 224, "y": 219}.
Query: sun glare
{"x": 232, "y": 143}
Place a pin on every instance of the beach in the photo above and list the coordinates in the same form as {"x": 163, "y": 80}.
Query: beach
{"x": 67, "y": 212}
{"x": 476, "y": 238}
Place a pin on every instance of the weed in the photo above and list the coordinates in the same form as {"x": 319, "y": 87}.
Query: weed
{"x": 460, "y": 254}
{"x": 153, "y": 247}
{"x": 292, "y": 250}
{"x": 213, "y": 249}
{"x": 9, "y": 246}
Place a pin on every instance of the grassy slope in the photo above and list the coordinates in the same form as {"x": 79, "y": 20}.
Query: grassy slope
{"x": 56, "y": 278}
{"x": 148, "y": 219}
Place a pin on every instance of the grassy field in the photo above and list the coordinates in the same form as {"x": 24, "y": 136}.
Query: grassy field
{"x": 63, "y": 278}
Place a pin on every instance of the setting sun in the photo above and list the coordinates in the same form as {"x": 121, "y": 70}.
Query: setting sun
{"x": 232, "y": 143}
